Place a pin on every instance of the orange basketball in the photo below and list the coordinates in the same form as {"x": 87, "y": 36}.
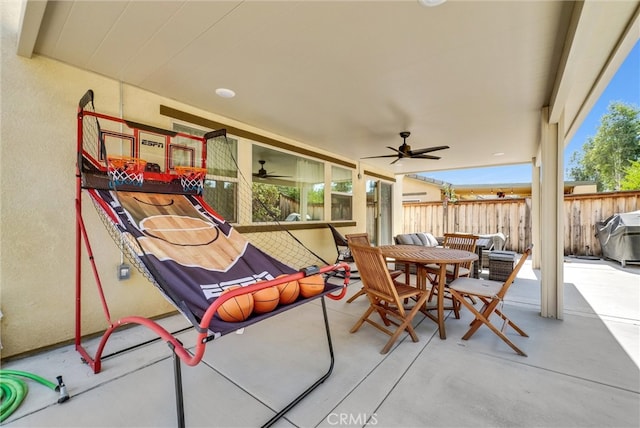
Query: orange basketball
{"x": 311, "y": 285}
{"x": 289, "y": 291}
{"x": 265, "y": 300}
{"x": 237, "y": 308}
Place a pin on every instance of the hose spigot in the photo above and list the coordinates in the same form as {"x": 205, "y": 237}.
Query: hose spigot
{"x": 64, "y": 395}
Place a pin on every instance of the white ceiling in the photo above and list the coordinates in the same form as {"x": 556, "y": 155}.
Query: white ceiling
{"x": 348, "y": 76}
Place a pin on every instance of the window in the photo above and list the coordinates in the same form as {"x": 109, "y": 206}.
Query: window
{"x": 181, "y": 156}
{"x": 221, "y": 196}
{"x": 341, "y": 193}
{"x": 184, "y": 151}
{"x": 221, "y": 184}
{"x": 286, "y": 187}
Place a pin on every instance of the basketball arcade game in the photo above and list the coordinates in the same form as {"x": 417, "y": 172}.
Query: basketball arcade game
{"x": 146, "y": 184}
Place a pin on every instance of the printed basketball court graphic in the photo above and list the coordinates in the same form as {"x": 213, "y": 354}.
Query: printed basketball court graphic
{"x": 173, "y": 229}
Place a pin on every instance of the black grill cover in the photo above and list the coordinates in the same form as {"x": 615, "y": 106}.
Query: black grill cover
{"x": 619, "y": 237}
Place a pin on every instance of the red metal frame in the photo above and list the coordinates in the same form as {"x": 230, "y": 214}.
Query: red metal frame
{"x": 166, "y": 176}
{"x": 180, "y": 353}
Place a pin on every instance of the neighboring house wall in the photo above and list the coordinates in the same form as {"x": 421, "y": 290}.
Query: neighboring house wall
{"x": 515, "y": 190}
{"x": 584, "y": 189}
{"x": 420, "y": 191}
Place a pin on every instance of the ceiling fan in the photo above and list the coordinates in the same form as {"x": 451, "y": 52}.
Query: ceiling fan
{"x": 262, "y": 173}
{"x": 404, "y": 151}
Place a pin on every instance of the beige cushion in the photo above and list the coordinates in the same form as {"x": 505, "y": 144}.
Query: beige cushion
{"x": 478, "y": 287}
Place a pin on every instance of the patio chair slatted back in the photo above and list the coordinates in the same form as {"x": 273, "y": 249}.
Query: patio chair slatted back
{"x": 461, "y": 241}
{"x": 385, "y": 296}
{"x": 363, "y": 239}
{"x": 358, "y": 239}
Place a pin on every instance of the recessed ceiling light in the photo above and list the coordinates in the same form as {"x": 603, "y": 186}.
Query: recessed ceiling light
{"x": 431, "y": 3}
{"x": 498, "y": 154}
{"x": 225, "y": 93}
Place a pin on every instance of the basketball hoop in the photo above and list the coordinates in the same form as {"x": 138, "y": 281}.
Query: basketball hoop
{"x": 191, "y": 178}
{"x": 126, "y": 170}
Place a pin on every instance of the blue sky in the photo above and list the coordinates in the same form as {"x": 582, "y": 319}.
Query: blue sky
{"x": 624, "y": 86}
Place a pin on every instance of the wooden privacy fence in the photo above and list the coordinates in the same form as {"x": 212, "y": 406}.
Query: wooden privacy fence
{"x": 512, "y": 217}
{"x": 582, "y": 212}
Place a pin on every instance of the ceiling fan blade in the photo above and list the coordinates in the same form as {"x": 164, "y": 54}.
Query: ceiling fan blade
{"x": 428, "y": 150}
{"x": 381, "y": 156}
{"x": 404, "y": 151}
{"x": 263, "y": 173}
{"x": 400, "y": 152}
{"x": 258, "y": 175}
{"x": 425, "y": 157}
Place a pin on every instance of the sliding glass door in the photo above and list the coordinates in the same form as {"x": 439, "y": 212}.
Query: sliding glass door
{"x": 379, "y": 211}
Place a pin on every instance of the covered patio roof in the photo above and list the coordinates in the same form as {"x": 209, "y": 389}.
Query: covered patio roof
{"x": 348, "y": 76}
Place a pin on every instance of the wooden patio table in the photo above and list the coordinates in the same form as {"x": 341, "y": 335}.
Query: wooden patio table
{"x": 421, "y": 256}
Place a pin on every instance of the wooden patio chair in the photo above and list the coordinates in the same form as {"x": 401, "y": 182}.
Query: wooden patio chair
{"x": 358, "y": 239}
{"x": 457, "y": 241}
{"x": 491, "y": 293}
{"x": 385, "y": 296}
{"x": 363, "y": 239}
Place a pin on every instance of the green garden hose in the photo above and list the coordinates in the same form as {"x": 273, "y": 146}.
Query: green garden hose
{"x": 13, "y": 390}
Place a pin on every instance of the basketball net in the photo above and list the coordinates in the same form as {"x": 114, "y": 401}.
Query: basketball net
{"x": 191, "y": 178}
{"x": 222, "y": 168}
{"x": 126, "y": 170}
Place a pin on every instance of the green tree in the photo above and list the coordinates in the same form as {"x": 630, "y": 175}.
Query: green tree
{"x": 607, "y": 156}
{"x": 345, "y": 186}
{"x": 631, "y": 180}
{"x": 266, "y": 202}
{"x": 316, "y": 195}
{"x": 290, "y": 192}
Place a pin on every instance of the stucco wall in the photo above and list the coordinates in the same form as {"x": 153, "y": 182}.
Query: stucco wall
{"x": 37, "y": 204}
{"x": 37, "y": 209}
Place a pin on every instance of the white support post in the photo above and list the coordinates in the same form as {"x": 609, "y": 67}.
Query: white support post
{"x": 552, "y": 222}
{"x": 535, "y": 212}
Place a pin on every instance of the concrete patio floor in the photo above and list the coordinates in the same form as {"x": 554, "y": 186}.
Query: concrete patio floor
{"x": 582, "y": 371}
